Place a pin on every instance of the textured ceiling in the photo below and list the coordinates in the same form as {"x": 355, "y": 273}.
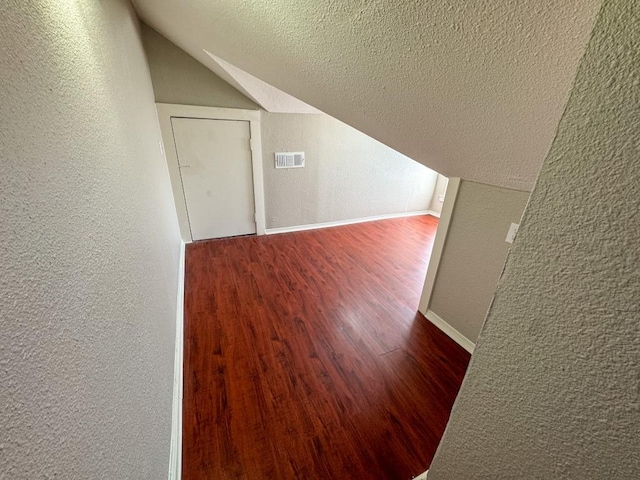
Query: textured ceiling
{"x": 268, "y": 97}
{"x": 470, "y": 89}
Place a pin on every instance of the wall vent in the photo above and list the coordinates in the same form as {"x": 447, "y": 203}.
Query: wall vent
{"x": 290, "y": 160}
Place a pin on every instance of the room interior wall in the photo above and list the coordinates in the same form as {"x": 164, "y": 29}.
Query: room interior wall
{"x": 90, "y": 247}
{"x": 348, "y": 175}
{"x": 553, "y": 386}
{"x": 474, "y": 254}
{"x": 179, "y": 78}
{"x": 440, "y": 189}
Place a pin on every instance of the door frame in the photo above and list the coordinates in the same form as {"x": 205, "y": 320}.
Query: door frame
{"x": 167, "y": 111}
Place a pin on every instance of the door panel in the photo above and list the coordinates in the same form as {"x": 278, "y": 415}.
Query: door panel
{"x": 214, "y": 157}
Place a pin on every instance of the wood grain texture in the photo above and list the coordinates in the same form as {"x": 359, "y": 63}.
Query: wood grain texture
{"x": 305, "y": 357}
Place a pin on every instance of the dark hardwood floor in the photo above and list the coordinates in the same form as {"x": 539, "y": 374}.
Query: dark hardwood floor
{"x": 305, "y": 358}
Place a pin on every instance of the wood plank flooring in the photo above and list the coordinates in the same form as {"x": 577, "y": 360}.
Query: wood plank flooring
{"x": 305, "y": 358}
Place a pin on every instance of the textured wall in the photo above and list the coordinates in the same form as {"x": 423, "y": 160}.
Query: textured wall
{"x": 179, "y": 78}
{"x": 347, "y": 174}
{"x": 471, "y": 89}
{"x": 268, "y": 96}
{"x": 553, "y": 388}
{"x": 474, "y": 254}
{"x": 89, "y": 248}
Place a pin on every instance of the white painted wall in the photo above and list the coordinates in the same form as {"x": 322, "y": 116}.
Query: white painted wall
{"x": 179, "y": 78}
{"x": 269, "y": 97}
{"x": 89, "y": 248}
{"x": 553, "y": 387}
{"x": 347, "y": 175}
{"x": 473, "y": 255}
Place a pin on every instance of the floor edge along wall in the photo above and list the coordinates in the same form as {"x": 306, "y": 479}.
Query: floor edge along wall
{"x": 313, "y": 226}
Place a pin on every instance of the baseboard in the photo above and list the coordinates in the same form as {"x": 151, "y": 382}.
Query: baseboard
{"x": 314, "y": 226}
{"x": 433, "y": 213}
{"x": 451, "y": 332}
{"x": 175, "y": 452}
{"x": 422, "y": 476}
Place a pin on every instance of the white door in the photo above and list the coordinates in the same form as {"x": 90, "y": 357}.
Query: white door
{"x": 214, "y": 157}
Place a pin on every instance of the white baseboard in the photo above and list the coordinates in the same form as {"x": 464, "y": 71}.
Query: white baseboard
{"x": 422, "y": 476}
{"x": 313, "y": 226}
{"x": 451, "y": 332}
{"x": 175, "y": 452}
{"x": 433, "y": 214}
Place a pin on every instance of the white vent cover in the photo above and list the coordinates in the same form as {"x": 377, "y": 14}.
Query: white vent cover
{"x": 289, "y": 159}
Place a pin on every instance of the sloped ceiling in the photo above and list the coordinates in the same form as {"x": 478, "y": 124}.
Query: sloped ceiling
{"x": 470, "y": 89}
{"x": 268, "y": 97}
